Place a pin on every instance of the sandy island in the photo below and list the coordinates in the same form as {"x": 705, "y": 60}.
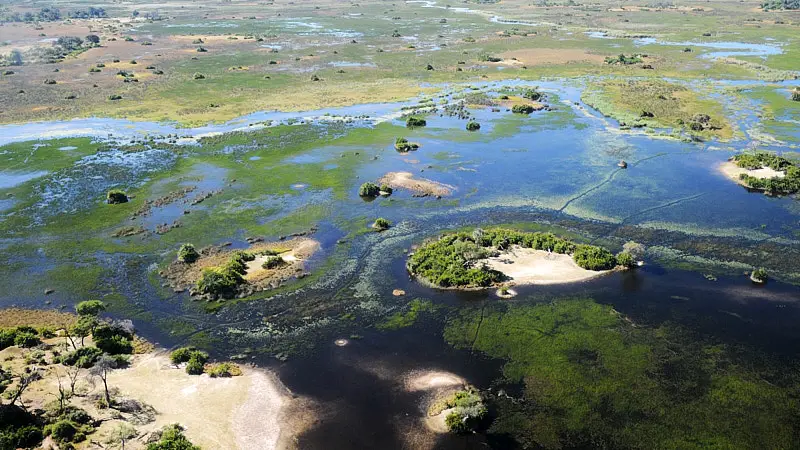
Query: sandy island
{"x": 420, "y": 186}
{"x": 529, "y": 266}
{"x": 295, "y": 252}
{"x": 732, "y": 171}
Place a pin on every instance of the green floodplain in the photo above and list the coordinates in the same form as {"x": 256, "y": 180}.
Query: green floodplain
{"x": 587, "y": 213}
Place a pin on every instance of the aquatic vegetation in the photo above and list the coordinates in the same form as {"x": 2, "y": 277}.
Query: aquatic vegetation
{"x": 587, "y": 371}
{"x": 408, "y": 318}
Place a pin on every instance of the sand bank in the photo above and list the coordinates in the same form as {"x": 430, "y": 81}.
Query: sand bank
{"x": 529, "y": 266}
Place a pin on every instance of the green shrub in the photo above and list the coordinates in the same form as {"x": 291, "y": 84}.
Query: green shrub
{"x": 386, "y": 189}
{"x": 116, "y": 196}
{"x": 196, "y": 362}
{"x": 468, "y": 411}
{"x": 522, "y": 109}
{"x": 113, "y": 340}
{"x": 188, "y": 254}
{"x": 62, "y": 431}
{"x": 369, "y": 190}
{"x": 115, "y": 97}
{"x": 381, "y": 224}
{"x": 623, "y": 60}
{"x": 759, "y": 275}
{"x": 532, "y": 94}
{"x": 181, "y": 355}
{"x": 26, "y": 339}
{"x": 590, "y": 257}
{"x": 401, "y": 144}
{"x": 473, "y": 126}
{"x": 796, "y": 95}
{"x": 413, "y": 122}
{"x": 217, "y": 283}
{"x": 198, "y": 76}
{"x": 84, "y": 357}
{"x": 273, "y": 262}
{"x": 172, "y": 438}
{"x": 625, "y": 259}
{"x": 224, "y": 369}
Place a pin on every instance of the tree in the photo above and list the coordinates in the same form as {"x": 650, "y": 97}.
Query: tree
{"x": 101, "y": 369}
{"x": 90, "y": 308}
{"x": 93, "y": 39}
{"x": 69, "y": 43}
{"x": 635, "y": 249}
{"x": 172, "y": 438}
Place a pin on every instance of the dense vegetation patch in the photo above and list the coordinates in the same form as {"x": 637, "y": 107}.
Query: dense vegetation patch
{"x": 473, "y": 126}
{"x": 414, "y": 122}
{"x": 788, "y": 184}
{"x": 661, "y": 104}
{"x": 522, "y": 109}
{"x": 454, "y": 260}
{"x": 402, "y": 144}
{"x": 369, "y": 189}
{"x": 467, "y": 411}
{"x": 623, "y": 59}
{"x": 593, "y": 379}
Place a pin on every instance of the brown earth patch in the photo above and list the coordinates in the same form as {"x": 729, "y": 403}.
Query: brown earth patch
{"x": 536, "y": 56}
{"x": 16, "y": 317}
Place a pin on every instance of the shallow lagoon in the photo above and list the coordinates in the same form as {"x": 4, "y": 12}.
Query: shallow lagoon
{"x": 552, "y": 170}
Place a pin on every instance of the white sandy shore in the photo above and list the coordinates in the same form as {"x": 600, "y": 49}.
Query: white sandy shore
{"x": 243, "y": 412}
{"x": 732, "y": 171}
{"x": 529, "y": 266}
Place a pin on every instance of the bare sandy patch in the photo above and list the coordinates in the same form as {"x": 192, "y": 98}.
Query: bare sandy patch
{"x": 420, "y": 186}
{"x": 535, "y": 56}
{"x": 732, "y": 171}
{"x": 426, "y": 380}
{"x": 529, "y": 266}
{"x": 243, "y": 412}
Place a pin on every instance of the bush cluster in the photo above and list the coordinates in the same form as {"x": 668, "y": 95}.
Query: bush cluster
{"x": 113, "y": 339}
{"x": 195, "y": 359}
{"x": 522, "y": 109}
{"x": 272, "y": 262}
{"x": 188, "y": 254}
{"x": 468, "y": 411}
{"x": 172, "y": 438}
{"x": 23, "y": 336}
{"x": 223, "y": 281}
{"x": 473, "y": 126}
{"x": 413, "y": 122}
{"x": 623, "y": 59}
{"x": 381, "y": 224}
{"x": 116, "y": 196}
{"x": 369, "y": 189}
{"x": 401, "y": 144}
{"x": 84, "y": 357}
